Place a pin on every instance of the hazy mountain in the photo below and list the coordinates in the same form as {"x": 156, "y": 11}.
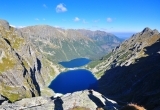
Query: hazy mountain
{"x": 58, "y": 44}
{"x": 107, "y": 41}
{"x": 24, "y": 71}
{"x": 131, "y": 72}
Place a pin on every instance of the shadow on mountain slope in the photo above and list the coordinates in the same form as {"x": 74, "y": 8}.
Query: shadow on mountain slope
{"x": 137, "y": 83}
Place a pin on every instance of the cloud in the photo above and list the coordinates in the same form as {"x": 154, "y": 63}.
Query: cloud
{"x": 96, "y": 20}
{"x": 56, "y": 26}
{"x": 44, "y": 19}
{"x": 84, "y": 21}
{"x": 61, "y": 8}
{"x": 13, "y": 26}
{"x": 20, "y": 26}
{"x": 104, "y": 29}
{"x": 17, "y": 26}
{"x": 95, "y": 26}
{"x": 109, "y": 20}
{"x": 36, "y": 19}
{"x": 45, "y": 6}
{"x": 64, "y": 20}
{"x": 76, "y": 19}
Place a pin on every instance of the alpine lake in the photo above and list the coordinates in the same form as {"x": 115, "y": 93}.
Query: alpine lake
{"x": 75, "y": 79}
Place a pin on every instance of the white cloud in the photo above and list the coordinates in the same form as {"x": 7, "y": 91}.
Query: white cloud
{"x": 13, "y": 26}
{"x": 61, "y": 8}
{"x": 36, "y": 19}
{"x": 76, "y": 19}
{"x": 56, "y": 26}
{"x": 84, "y": 21}
{"x": 64, "y": 20}
{"x": 17, "y": 26}
{"x": 104, "y": 29}
{"x": 45, "y": 6}
{"x": 96, "y": 20}
{"x": 21, "y": 26}
{"x": 109, "y": 20}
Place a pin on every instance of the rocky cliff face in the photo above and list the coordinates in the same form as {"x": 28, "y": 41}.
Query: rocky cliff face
{"x": 60, "y": 45}
{"x": 24, "y": 72}
{"x": 131, "y": 72}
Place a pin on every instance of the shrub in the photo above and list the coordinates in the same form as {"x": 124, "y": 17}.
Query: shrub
{"x": 79, "y": 108}
{"x": 133, "y": 107}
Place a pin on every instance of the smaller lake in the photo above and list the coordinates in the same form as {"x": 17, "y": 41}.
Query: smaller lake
{"x": 75, "y": 63}
{"x": 73, "y": 80}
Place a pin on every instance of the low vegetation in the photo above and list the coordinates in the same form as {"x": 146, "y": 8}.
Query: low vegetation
{"x": 79, "y": 108}
{"x": 133, "y": 107}
{"x": 6, "y": 64}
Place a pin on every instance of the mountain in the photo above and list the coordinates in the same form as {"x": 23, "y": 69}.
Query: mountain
{"x": 24, "y": 71}
{"x": 59, "y": 45}
{"x": 131, "y": 72}
{"x": 105, "y": 40}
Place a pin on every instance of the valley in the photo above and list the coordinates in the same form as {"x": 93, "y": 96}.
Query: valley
{"x": 85, "y": 67}
{"x": 61, "y": 45}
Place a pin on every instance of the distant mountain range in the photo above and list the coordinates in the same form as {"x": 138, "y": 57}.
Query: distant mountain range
{"x": 60, "y": 45}
{"x": 131, "y": 72}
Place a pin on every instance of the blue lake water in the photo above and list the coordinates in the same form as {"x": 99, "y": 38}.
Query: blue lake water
{"x": 75, "y": 62}
{"x": 74, "y": 80}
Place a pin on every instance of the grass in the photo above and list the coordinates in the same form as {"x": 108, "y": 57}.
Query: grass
{"x": 79, "y": 108}
{"x": 93, "y": 64}
{"x": 7, "y": 92}
{"x": 6, "y": 64}
{"x": 14, "y": 39}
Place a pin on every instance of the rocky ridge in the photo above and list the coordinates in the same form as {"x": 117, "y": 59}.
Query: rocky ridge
{"x": 70, "y": 101}
{"x": 24, "y": 71}
{"x": 131, "y": 71}
{"x": 60, "y": 45}
{"x": 127, "y": 52}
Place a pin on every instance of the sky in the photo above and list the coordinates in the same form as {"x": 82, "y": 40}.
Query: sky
{"x": 106, "y": 15}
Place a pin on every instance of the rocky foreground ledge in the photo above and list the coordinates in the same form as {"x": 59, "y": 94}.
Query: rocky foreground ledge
{"x": 81, "y": 100}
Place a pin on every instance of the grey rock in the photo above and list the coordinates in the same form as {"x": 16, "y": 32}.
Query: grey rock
{"x": 5, "y": 24}
{"x": 147, "y": 29}
{"x": 24, "y": 71}
{"x": 0, "y": 52}
{"x": 155, "y": 31}
{"x": 1, "y": 98}
{"x": 133, "y": 75}
{"x": 66, "y": 102}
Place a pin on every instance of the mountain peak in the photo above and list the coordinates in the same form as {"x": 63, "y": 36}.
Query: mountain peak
{"x": 155, "y": 31}
{"x": 147, "y": 29}
{"x": 4, "y": 23}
